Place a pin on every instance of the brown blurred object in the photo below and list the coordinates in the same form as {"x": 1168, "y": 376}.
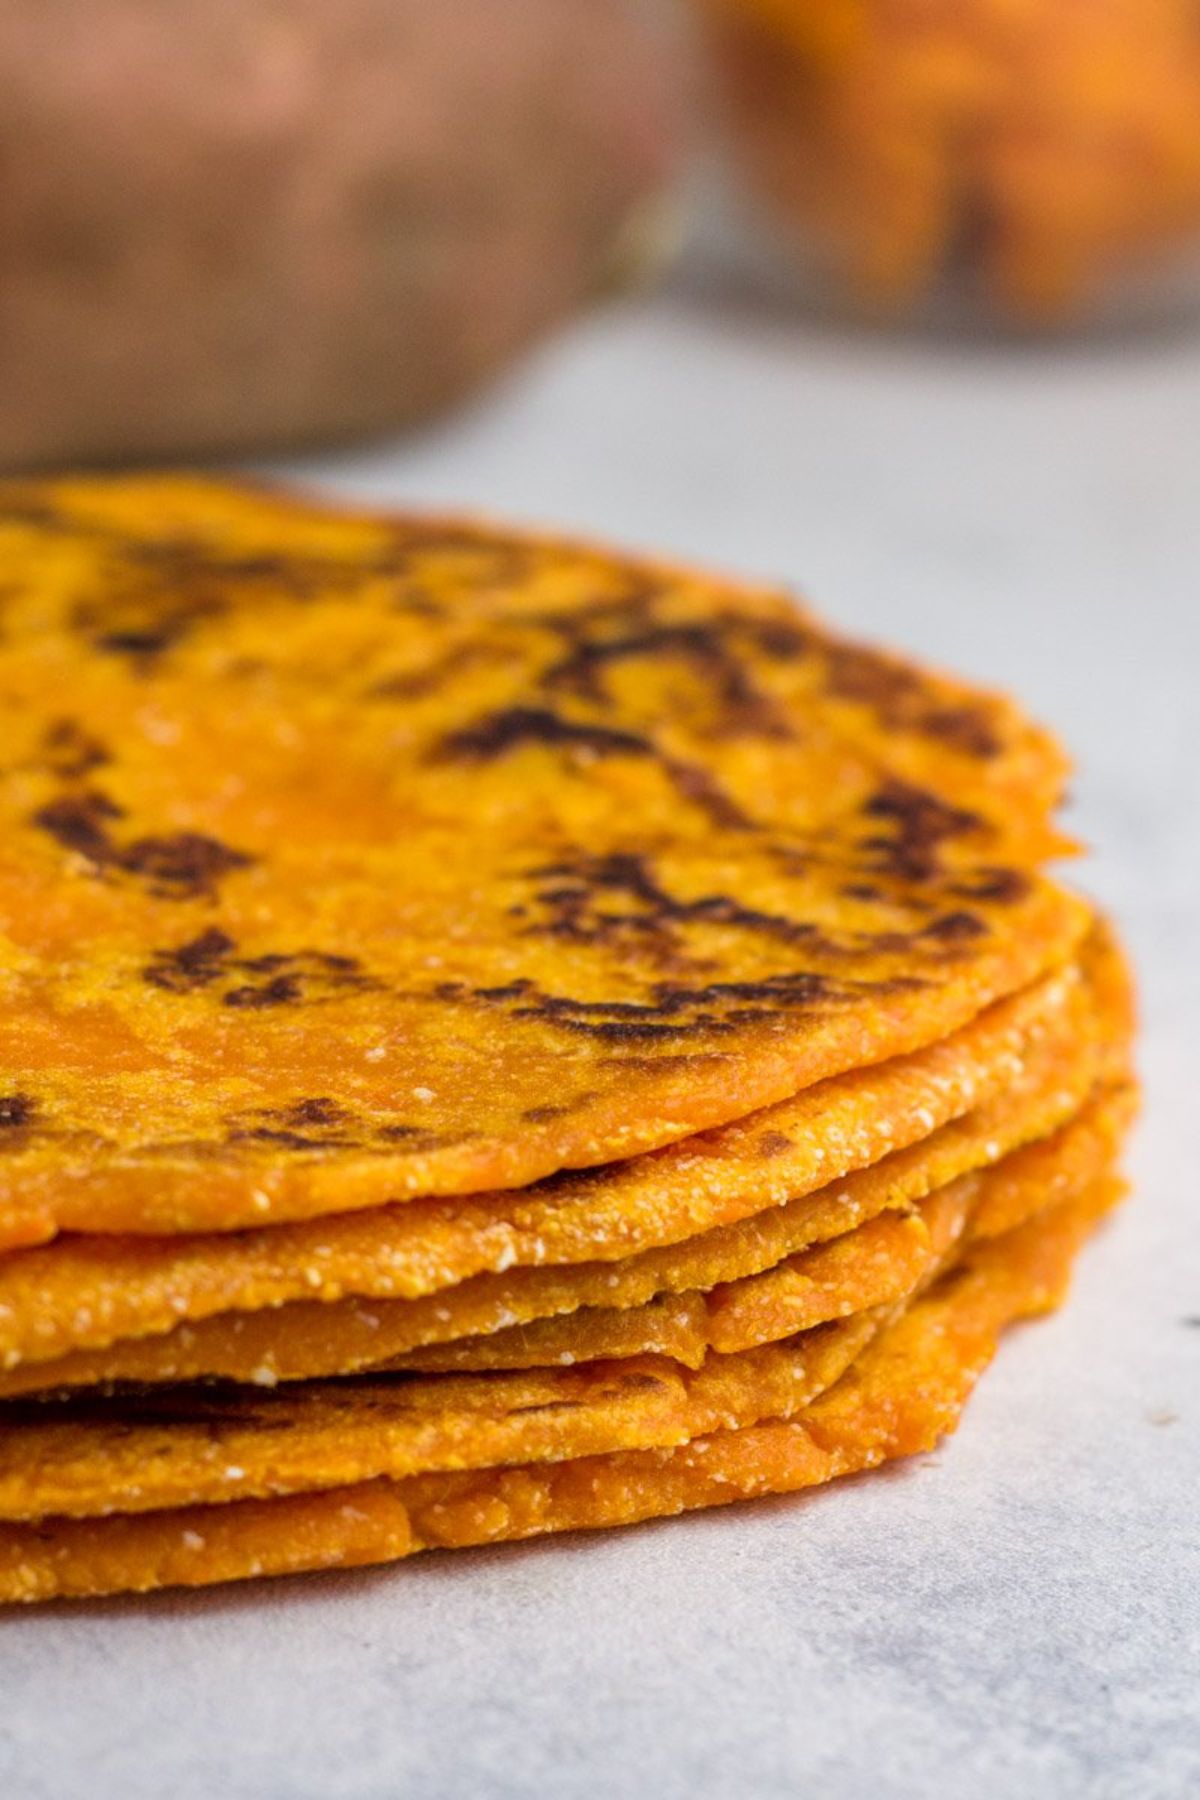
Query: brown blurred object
{"x": 1039, "y": 146}
{"x": 244, "y": 223}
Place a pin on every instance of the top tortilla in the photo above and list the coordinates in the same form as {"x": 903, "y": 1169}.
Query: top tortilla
{"x": 344, "y": 859}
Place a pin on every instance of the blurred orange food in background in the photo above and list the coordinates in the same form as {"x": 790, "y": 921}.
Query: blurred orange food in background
{"x": 1039, "y": 144}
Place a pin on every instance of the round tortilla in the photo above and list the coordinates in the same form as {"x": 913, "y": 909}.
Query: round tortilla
{"x": 344, "y": 859}
{"x": 690, "y": 1216}
{"x": 152, "y": 1449}
{"x": 905, "y": 1392}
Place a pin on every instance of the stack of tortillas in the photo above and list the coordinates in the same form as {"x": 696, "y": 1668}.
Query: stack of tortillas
{"x": 496, "y": 1038}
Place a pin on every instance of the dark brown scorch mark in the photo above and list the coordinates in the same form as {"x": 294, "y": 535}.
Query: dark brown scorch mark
{"x": 903, "y": 701}
{"x": 191, "y": 966}
{"x": 923, "y": 823}
{"x": 515, "y": 726}
{"x": 319, "y": 1111}
{"x": 183, "y": 866}
{"x": 964, "y": 728}
{"x": 153, "y": 595}
{"x": 676, "y": 1010}
{"x": 320, "y": 1123}
{"x": 307, "y": 975}
{"x": 276, "y": 979}
{"x": 710, "y": 648}
{"x": 581, "y": 902}
{"x": 512, "y": 727}
{"x": 16, "y": 1110}
{"x": 544, "y": 1115}
{"x": 696, "y": 784}
{"x": 954, "y": 928}
{"x": 576, "y": 897}
{"x": 1003, "y": 886}
{"x": 316, "y": 1123}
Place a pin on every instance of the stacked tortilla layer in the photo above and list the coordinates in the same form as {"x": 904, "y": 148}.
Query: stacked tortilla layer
{"x": 498, "y": 1038}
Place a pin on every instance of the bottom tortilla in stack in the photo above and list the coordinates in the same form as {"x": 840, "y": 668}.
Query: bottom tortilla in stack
{"x": 900, "y": 1396}
{"x": 759, "y": 1357}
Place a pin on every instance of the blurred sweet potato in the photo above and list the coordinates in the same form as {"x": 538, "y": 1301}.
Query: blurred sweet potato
{"x": 242, "y": 223}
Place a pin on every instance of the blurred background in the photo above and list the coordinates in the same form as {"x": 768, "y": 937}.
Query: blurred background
{"x": 896, "y": 302}
{"x": 264, "y": 223}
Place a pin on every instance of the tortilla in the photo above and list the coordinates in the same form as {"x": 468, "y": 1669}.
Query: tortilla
{"x": 91, "y": 1293}
{"x": 169, "y": 1447}
{"x": 876, "y": 1264}
{"x": 871, "y": 1265}
{"x": 797, "y": 1289}
{"x": 879, "y": 1263}
{"x": 183, "y": 1445}
{"x": 347, "y": 859}
{"x": 901, "y": 1396}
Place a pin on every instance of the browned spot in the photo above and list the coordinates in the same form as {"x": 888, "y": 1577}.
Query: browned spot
{"x": 310, "y": 1123}
{"x": 515, "y": 726}
{"x": 276, "y": 979}
{"x": 901, "y": 699}
{"x": 964, "y": 728}
{"x": 923, "y": 824}
{"x": 696, "y": 784}
{"x": 1005, "y": 886}
{"x": 319, "y": 1111}
{"x": 183, "y": 866}
{"x": 196, "y": 964}
{"x": 711, "y": 649}
{"x": 679, "y": 1012}
{"x": 280, "y": 990}
{"x": 956, "y": 928}
{"x": 542, "y": 1115}
{"x": 16, "y": 1110}
{"x": 577, "y": 897}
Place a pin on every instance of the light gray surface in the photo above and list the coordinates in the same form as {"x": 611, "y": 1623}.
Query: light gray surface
{"x": 1016, "y": 1615}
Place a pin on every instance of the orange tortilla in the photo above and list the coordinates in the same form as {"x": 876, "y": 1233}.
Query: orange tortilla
{"x": 90, "y": 1457}
{"x": 88, "y": 1294}
{"x": 900, "y": 1397}
{"x": 177, "y": 1446}
{"x": 347, "y": 859}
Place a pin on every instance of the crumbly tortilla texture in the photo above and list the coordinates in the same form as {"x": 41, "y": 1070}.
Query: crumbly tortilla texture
{"x": 870, "y": 1265}
{"x": 879, "y": 1263}
{"x": 876, "y": 1264}
{"x": 698, "y": 1214}
{"x": 771, "y": 1275}
{"x": 344, "y": 859}
{"x": 899, "y": 1397}
{"x": 89, "y": 1457}
{"x": 159, "y": 1448}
